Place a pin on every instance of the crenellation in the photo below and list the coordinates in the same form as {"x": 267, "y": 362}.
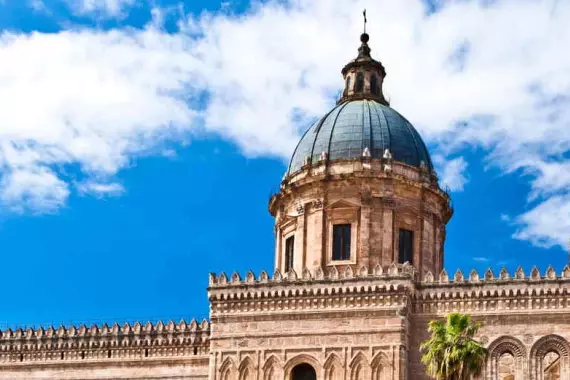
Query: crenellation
{"x": 82, "y": 343}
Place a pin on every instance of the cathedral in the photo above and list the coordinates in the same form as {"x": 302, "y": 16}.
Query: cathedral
{"x": 360, "y": 226}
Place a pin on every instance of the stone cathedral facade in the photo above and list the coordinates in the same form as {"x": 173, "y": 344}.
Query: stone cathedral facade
{"x": 360, "y": 225}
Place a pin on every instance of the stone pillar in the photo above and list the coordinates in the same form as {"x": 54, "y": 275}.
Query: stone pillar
{"x": 387, "y": 236}
{"x": 427, "y": 247}
{"x": 278, "y": 248}
{"x": 365, "y": 238}
{"x": 300, "y": 244}
{"x": 315, "y": 237}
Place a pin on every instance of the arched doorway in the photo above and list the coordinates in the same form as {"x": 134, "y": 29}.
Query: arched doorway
{"x": 303, "y": 371}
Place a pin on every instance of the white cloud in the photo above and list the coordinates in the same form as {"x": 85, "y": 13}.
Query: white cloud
{"x": 452, "y": 172}
{"x": 481, "y": 259}
{"x": 34, "y": 189}
{"x": 100, "y": 98}
{"x": 101, "y": 189}
{"x": 88, "y": 99}
{"x": 107, "y": 8}
{"x": 547, "y": 224}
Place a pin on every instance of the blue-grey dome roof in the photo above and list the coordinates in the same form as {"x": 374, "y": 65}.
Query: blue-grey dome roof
{"x": 358, "y": 124}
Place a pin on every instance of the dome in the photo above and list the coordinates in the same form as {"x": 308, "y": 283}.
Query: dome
{"x": 352, "y": 126}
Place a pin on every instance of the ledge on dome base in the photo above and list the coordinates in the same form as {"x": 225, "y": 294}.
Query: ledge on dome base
{"x": 394, "y": 271}
{"x": 503, "y": 276}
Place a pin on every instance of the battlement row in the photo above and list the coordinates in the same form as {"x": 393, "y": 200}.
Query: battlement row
{"x": 503, "y": 275}
{"x": 103, "y": 331}
{"x": 394, "y": 271}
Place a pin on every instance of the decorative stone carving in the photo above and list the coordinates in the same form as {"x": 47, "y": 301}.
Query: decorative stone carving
{"x": 458, "y": 277}
{"x": 444, "y": 277}
{"x": 291, "y": 275}
{"x": 566, "y": 272}
{"x": 277, "y": 275}
{"x": 535, "y": 274}
{"x": 473, "y": 276}
{"x": 378, "y": 270}
{"x": 236, "y": 279}
{"x": 263, "y": 277}
{"x": 550, "y": 273}
{"x": 318, "y": 204}
{"x": 333, "y": 273}
{"x": 319, "y": 274}
{"x": 504, "y": 274}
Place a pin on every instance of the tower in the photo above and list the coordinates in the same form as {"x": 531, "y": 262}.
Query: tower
{"x": 360, "y": 189}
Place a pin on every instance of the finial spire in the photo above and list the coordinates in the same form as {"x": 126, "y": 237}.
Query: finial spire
{"x": 365, "y": 20}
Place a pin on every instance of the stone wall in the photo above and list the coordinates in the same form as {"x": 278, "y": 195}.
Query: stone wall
{"x": 346, "y": 325}
{"x": 172, "y": 351}
{"x": 525, "y": 317}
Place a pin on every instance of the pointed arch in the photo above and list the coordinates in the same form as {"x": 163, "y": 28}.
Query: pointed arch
{"x": 246, "y": 369}
{"x": 272, "y": 369}
{"x": 546, "y": 344}
{"x": 302, "y": 359}
{"x": 228, "y": 369}
{"x": 359, "y": 368}
{"x": 507, "y": 345}
{"x": 381, "y": 367}
{"x": 333, "y": 368}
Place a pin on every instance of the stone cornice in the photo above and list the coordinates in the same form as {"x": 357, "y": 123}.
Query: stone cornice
{"x": 394, "y": 287}
{"x": 490, "y": 294}
{"x": 319, "y": 290}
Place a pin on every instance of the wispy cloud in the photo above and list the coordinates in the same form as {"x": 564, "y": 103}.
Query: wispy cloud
{"x": 100, "y": 189}
{"x": 103, "y": 8}
{"x": 480, "y": 259}
{"x": 452, "y": 172}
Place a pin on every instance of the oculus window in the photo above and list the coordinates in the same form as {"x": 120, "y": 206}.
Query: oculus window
{"x": 341, "y": 242}
{"x": 406, "y": 249}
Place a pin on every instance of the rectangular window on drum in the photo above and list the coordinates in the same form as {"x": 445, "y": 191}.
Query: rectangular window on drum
{"x": 289, "y": 245}
{"x": 341, "y": 242}
{"x": 406, "y": 246}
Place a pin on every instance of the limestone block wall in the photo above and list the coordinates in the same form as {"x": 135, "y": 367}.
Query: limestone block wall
{"x": 172, "y": 351}
{"x": 346, "y": 324}
{"x": 187, "y": 369}
{"x": 525, "y": 317}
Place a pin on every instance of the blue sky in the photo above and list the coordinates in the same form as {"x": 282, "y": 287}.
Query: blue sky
{"x": 139, "y": 141}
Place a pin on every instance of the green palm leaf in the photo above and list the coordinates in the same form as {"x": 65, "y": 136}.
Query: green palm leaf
{"x": 452, "y": 353}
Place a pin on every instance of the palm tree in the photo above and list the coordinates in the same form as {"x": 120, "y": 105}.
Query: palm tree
{"x": 452, "y": 353}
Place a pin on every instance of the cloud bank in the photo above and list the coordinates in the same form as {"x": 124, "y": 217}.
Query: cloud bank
{"x": 491, "y": 75}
